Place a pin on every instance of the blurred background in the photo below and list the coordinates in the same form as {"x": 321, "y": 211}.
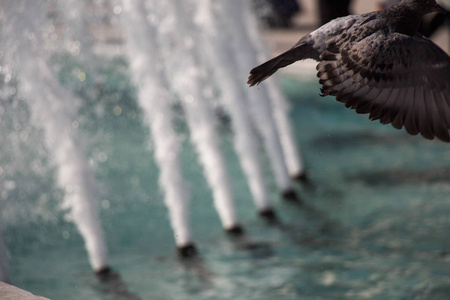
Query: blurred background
{"x": 135, "y": 163}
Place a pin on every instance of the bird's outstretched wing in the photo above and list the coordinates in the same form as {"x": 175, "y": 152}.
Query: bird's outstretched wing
{"x": 396, "y": 78}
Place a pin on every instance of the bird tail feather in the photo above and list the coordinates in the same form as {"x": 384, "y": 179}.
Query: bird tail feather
{"x": 265, "y": 70}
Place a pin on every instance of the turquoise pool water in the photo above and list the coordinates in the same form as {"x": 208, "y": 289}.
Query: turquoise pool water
{"x": 374, "y": 226}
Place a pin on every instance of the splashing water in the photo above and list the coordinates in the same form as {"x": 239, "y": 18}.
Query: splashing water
{"x": 279, "y": 103}
{"x": 220, "y": 58}
{"x": 372, "y": 230}
{"x": 181, "y": 61}
{"x": 258, "y": 97}
{"x": 154, "y": 98}
{"x": 48, "y": 100}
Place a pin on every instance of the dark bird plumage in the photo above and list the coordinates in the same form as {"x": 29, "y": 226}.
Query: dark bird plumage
{"x": 377, "y": 63}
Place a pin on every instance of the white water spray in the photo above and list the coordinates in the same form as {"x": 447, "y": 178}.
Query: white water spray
{"x": 214, "y": 45}
{"x": 294, "y": 161}
{"x": 182, "y": 61}
{"x": 163, "y": 45}
{"x": 233, "y": 19}
{"x": 280, "y": 106}
{"x": 74, "y": 173}
{"x": 154, "y": 98}
{"x": 50, "y": 103}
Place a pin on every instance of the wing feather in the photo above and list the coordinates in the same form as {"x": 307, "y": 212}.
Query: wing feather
{"x": 395, "y": 78}
{"x": 438, "y": 123}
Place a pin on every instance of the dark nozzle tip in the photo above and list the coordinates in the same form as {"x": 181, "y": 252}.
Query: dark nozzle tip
{"x": 290, "y": 196}
{"x": 268, "y": 214}
{"x": 236, "y": 230}
{"x": 103, "y": 271}
{"x": 106, "y": 274}
{"x": 302, "y": 178}
{"x": 187, "y": 251}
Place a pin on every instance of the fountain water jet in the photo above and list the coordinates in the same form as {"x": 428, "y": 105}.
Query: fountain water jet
{"x": 154, "y": 98}
{"x": 258, "y": 98}
{"x": 182, "y": 61}
{"x": 46, "y": 98}
{"x": 171, "y": 40}
{"x": 294, "y": 161}
{"x": 214, "y": 46}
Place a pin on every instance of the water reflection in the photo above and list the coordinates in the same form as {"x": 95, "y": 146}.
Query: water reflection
{"x": 395, "y": 177}
{"x": 348, "y": 139}
{"x": 111, "y": 283}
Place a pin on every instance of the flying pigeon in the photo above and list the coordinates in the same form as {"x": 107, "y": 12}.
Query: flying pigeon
{"x": 378, "y": 64}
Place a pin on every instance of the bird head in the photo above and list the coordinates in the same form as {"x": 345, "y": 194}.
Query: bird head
{"x": 425, "y": 6}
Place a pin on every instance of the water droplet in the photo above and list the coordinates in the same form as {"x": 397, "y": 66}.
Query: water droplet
{"x": 66, "y": 235}
{"x": 117, "y": 9}
{"x": 328, "y": 278}
{"x": 117, "y": 111}
{"x": 82, "y": 76}
{"x": 9, "y": 185}
{"x": 189, "y": 99}
{"x": 68, "y": 218}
